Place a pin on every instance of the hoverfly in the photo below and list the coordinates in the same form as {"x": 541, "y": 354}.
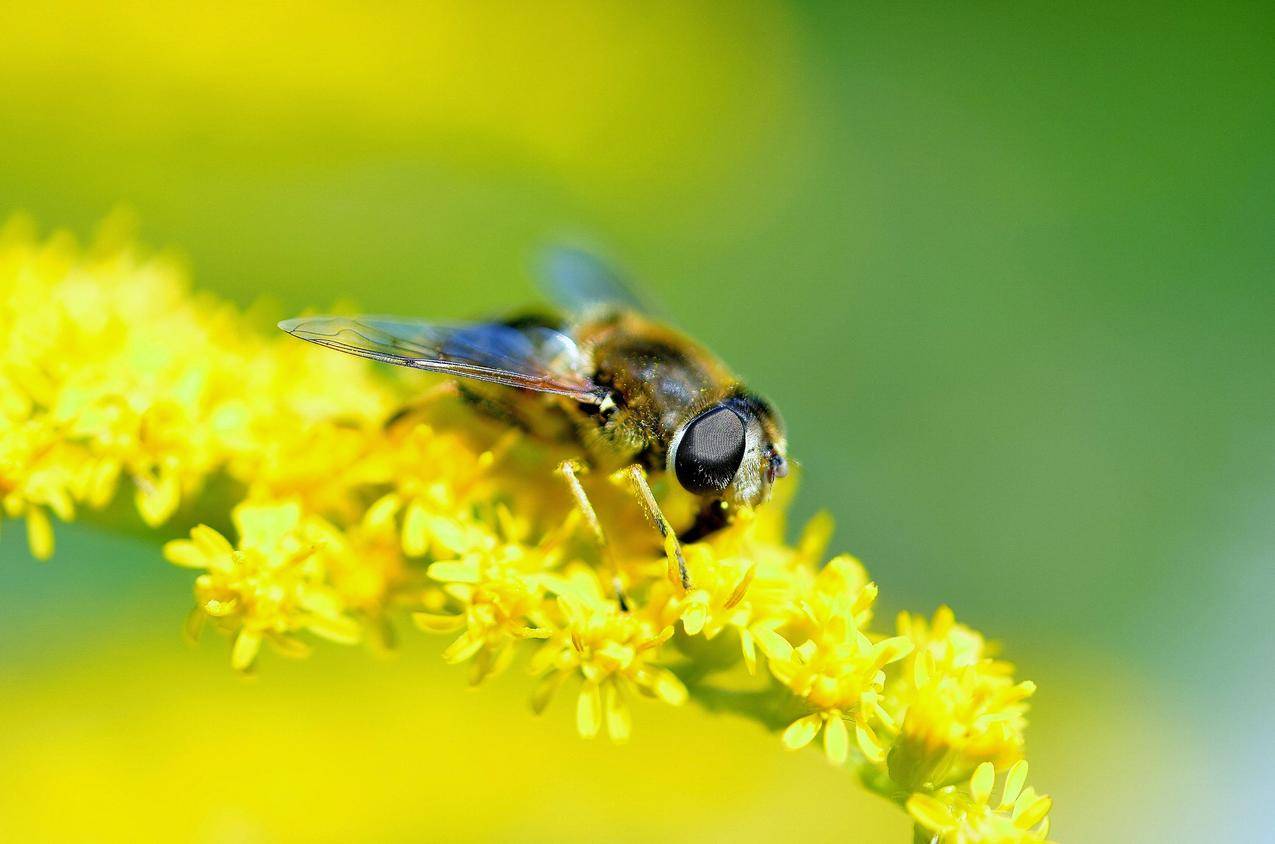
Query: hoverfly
{"x": 632, "y": 395}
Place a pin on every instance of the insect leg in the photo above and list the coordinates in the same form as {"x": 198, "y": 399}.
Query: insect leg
{"x": 444, "y": 390}
{"x": 672, "y": 548}
{"x": 570, "y": 469}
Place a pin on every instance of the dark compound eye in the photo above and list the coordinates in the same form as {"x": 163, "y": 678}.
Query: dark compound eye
{"x": 709, "y": 453}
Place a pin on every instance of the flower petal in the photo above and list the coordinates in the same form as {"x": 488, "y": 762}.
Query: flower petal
{"x": 749, "y": 646}
{"x": 335, "y": 628}
{"x": 1014, "y": 782}
{"x": 247, "y": 646}
{"x": 892, "y": 650}
{"x": 981, "y": 783}
{"x": 436, "y": 623}
{"x": 772, "y": 644}
{"x": 1034, "y": 813}
{"x": 455, "y": 571}
{"x": 694, "y": 617}
{"x": 415, "y": 530}
{"x": 802, "y": 731}
{"x": 157, "y": 499}
{"x": 836, "y": 740}
{"x": 589, "y": 710}
{"x": 619, "y": 720}
{"x": 184, "y": 553}
{"x": 544, "y": 690}
{"x": 868, "y": 743}
{"x": 462, "y": 649}
{"x": 210, "y": 542}
{"x": 670, "y": 689}
{"x": 39, "y": 533}
{"x": 930, "y": 813}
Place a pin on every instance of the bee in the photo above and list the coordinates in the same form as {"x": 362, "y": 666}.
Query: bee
{"x": 632, "y": 396}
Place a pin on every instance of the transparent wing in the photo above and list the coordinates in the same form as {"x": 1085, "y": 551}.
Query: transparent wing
{"x": 532, "y": 357}
{"x": 577, "y": 280}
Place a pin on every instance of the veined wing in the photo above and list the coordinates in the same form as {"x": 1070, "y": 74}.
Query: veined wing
{"x": 533, "y": 357}
{"x": 578, "y": 280}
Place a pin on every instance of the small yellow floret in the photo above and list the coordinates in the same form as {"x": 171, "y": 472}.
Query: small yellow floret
{"x": 966, "y": 815}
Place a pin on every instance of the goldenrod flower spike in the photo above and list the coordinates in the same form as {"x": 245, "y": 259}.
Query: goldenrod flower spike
{"x": 366, "y": 497}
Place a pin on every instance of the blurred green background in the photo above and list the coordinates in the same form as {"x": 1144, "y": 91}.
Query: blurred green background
{"x": 1006, "y": 268}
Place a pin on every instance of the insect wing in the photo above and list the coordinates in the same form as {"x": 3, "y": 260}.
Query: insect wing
{"x": 578, "y": 280}
{"x": 532, "y": 358}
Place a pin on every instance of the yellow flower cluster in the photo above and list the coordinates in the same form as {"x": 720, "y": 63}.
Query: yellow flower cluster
{"x": 358, "y": 495}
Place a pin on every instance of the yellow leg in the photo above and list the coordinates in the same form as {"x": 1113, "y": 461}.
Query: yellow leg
{"x": 413, "y": 409}
{"x": 570, "y": 471}
{"x": 672, "y": 548}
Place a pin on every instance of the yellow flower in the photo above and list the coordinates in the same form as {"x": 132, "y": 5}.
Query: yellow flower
{"x": 967, "y": 816}
{"x": 365, "y": 562}
{"x": 838, "y": 670}
{"x": 439, "y": 478}
{"x": 38, "y": 473}
{"x": 95, "y": 383}
{"x": 614, "y": 653}
{"x": 270, "y": 586}
{"x": 717, "y": 600}
{"x": 304, "y": 427}
{"x": 745, "y": 580}
{"x": 958, "y": 706}
{"x": 502, "y": 588}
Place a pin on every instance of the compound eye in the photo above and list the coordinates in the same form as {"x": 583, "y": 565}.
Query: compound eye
{"x": 710, "y": 451}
